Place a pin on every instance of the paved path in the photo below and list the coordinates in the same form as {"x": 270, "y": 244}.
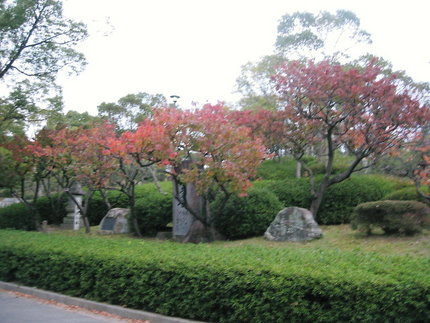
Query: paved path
{"x": 15, "y": 308}
{"x": 21, "y": 304}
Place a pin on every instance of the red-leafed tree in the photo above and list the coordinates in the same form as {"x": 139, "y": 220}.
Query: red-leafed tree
{"x": 421, "y": 171}
{"x": 77, "y": 155}
{"x": 268, "y": 125}
{"x": 211, "y": 152}
{"x": 359, "y": 110}
{"x": 133, "y": 152}
{"x": 22, "y": 171}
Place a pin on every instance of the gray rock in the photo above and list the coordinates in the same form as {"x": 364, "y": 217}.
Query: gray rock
{"x": 293, "y": 224}
{"x": 8, "y": 201}
{"x": 115, "y": 221}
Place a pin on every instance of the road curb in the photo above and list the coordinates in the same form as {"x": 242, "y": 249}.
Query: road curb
{"x": 91, "y": 305}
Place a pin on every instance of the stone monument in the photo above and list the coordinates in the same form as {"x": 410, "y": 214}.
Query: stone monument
{"x": 293, "y": 224}
{"x": 186, "y": 227}
{"x": 115, "y": 221}
{"x": 182, "y": 218}
{"x": 73, "y": 219}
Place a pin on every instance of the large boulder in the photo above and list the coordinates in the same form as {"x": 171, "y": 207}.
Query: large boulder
{"x": 293, "y": 224}
{"x": 115, "y": 221}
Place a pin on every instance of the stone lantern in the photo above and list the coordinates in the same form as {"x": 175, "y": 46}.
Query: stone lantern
{"x": 73, "y": 219}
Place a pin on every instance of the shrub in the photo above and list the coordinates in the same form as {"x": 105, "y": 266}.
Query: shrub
{"x": 153, "y": 211}
{"x": 339, "y": 200}
{"x": 285, "y": 167}
{"x": 244, "y": 217}
{"x": 218, "y": 284}
{"x": 98, "y": 209}
{"x": 52, "y": 209}
{"x": 407, "y": 217}
{"x": 406, "y": 194}
{"x": 18, "y": 216}
{"x": 277, "y": 169}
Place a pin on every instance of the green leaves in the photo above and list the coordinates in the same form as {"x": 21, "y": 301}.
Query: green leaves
{"x": 218, "y": 284}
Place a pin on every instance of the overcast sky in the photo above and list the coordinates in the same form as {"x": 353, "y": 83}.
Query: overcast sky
{"x": 195, "y": 48}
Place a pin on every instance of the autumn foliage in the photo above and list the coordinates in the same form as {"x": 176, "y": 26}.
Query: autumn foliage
{"x": 358, "y": 110}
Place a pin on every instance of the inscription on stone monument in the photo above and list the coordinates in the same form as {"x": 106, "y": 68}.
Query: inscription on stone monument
{"x": 108, "y": 224}
{"x": 182, "y": 219}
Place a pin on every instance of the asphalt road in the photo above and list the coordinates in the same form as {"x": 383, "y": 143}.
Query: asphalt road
{"x": 19, "y": 309}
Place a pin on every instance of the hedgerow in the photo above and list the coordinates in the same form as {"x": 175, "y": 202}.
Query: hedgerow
{"x": 218, "y": 284}
{"x": 18, "y": 216}
{"x": 244, "y": 217}
{"x": 340, "y": 199}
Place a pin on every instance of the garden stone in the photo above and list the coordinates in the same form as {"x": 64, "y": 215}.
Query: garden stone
{"x": 293, "y": 224}
{"x": 9, "y": 201}
{"x": 115, "y": 221}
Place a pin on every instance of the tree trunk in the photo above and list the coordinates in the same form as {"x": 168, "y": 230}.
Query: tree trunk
{"x": 155, "y": 179}
{"x": 298, "y": 170}
{"x": 318, "y": 196}
{"x": 132, "y": 202}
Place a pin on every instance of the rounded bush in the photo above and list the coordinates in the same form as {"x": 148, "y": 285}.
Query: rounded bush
{"x": 153, "y": 212}
{"x": 244, "y": 217}
{"x": 406, "y": 194}
{"x": 407, "y": 217}
{"x": 16, "y": 216}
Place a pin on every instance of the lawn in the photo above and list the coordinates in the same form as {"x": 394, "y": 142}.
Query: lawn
{"x": 343, "y": 238}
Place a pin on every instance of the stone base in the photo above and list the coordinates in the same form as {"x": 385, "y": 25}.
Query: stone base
{"x": 164, "y": 235}
{"x": 68, "y": 223}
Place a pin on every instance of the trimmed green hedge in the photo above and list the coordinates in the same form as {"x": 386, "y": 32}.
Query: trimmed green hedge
{"x": 340, "y": 199}
{"x": 406, "y": 194}
{"x": 17, "y": 216}
{"x": 244, "y": 217}
{"x": 407, "y": 217}
{"x": 218, "y": 284}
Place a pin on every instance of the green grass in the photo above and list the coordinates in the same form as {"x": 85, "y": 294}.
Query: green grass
{"x": 336, "y": 237}
{"x": 343, "y": 238}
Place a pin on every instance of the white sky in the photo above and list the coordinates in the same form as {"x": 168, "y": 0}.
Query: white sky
{"x": 195, "y": 48}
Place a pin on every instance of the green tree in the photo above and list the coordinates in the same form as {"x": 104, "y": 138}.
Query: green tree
{"x": 131, "y": 109}
{"x": 300, "y": 35}
{"x": 72, "y": 120}
{"x": 36, "y": 42}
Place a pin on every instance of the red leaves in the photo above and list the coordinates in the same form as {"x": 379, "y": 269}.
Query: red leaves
{"x": 362, "y": 107}
{"x": 222, "y": 152}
